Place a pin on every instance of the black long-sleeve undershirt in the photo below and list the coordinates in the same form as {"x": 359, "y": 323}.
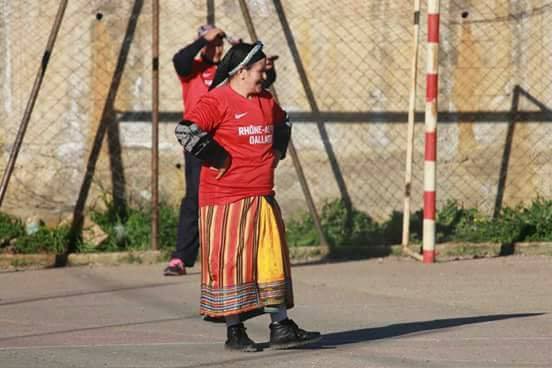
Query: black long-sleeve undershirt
{"x": 183, "y": 60}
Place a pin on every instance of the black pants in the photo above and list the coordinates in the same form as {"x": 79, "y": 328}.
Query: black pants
{"x": 187, "y": 237}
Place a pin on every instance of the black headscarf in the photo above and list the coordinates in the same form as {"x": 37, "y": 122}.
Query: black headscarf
{"x": 242, "y": 55}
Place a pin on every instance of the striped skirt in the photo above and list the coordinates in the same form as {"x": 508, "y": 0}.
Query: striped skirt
{"x": 244, "y": 258}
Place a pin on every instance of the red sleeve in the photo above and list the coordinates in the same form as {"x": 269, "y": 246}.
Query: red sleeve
{"x": 206, "y": 113}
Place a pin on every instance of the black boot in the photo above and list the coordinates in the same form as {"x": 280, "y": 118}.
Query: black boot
{"x": 286, "y": 334}
{"x": 238, "y": 339}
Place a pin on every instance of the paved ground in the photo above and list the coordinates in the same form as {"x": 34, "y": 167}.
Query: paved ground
{"x": 387, "y": 313}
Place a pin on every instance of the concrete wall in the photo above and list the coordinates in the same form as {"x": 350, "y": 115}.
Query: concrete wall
{"x": 357, "y": 61}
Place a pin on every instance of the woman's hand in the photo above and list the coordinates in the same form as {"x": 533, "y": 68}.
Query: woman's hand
{"x": 222, "y": 170}
{"x": 213, "y": 33}
{"x": 276, "y": 159}
{"x": 270, "y": 61}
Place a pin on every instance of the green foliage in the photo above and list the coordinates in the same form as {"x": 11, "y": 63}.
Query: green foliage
{"x": 342, "y": 227}
{"x": 10, "y": 228}
{"x": 14, "y": 239}
{"x": 133, "y": 231}
{"x": 168, "y": 224}
{"x": 300, "y": 231}
{"x": 345, "y": 227}
{"x": 127, "y": 230}
{"x": 538, "y": 220}
{"x": 336, "y": 221}
{"x": 392, "y": 228}
{"x": 45, "y": 240}
{"x": 455, "y": 223}
{"x": 533, "y": 223}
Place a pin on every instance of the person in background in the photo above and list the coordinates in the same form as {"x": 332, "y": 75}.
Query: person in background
{"x": 195, "y": 66}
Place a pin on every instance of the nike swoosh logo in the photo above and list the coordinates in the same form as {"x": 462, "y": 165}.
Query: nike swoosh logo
{"x": 239, "y": 116}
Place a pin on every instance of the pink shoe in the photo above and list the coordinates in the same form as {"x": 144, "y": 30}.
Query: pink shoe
{"x": 175, "y": 268}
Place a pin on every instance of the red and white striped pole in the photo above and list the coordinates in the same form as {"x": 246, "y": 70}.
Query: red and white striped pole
{"x": 430, "y": 157}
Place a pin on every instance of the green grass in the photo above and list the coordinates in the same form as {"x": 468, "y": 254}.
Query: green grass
{"x": 45, "y": 240}
{"x": 134, "y": 231}
{"x": 10, "y": 228}
{"x": 343, "y": 227}
{"x": 351, "y": 227}
{"x": 131, "y": 233}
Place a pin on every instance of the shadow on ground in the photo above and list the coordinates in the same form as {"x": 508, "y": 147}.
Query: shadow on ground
{"x": 83, "y": 293}
{"x": 416, "y": 328}
{"x": 335, "y": 339}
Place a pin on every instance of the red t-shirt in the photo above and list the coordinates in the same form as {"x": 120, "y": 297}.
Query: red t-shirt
{"x": 244, "y": 128}
{"x": 196, "y": 84}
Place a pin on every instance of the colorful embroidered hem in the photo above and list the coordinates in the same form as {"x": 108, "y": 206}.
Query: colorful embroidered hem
{"x": 244, "y": 257}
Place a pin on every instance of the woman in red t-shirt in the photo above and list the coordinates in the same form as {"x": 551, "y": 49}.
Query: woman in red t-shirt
{"x": 240, "y": 133}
